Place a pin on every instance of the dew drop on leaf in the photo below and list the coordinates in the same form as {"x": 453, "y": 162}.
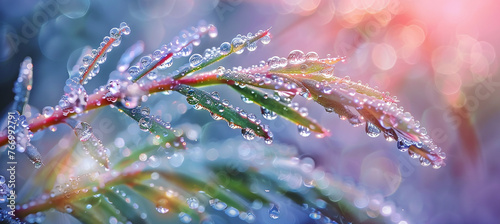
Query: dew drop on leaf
{"x": 48, "y": 111}
{"x": 303, "y": 131}
{"x": 268, "y": 114}
{"x": 372, "y": 130}
{"x": 296, "y": 57}
{"x": 248, "y": 133}
{"x": 195, "y": 60}
{"x": 193, "y": 202}
{"x": 185, "y": 218}
{"x": 145, "y": 124}
{"x": 274, "y": 212}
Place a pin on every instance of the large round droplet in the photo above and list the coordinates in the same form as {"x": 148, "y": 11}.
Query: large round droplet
{"x": 195, "y": 60}
{"x": 303, "y": 131}
{"x": 296, "y": 57}
{"x": 237, "y": 43}
{"x": 225, "y": 48}
{"x": 48, "y": 111}
{"x": 145, "y": 124}
{"x": 193, "y": 203}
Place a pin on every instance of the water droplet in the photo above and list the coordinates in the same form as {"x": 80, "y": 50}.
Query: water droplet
{"x": 225, "y": 48}
{"x": 248, "y": 133}
{"x": 252, "y": 46}
{"x": 296, "y": 57}
{"x": 133, "y": 71}
{"x": 185, "y": 218}
{"x": 245, "y": 99}
{"x": 403, "y": 145}
{"x": 372, "y": 130}
{"x": 193, "y": 202}
{"x": 274, "y": 62}
{"x": 315, "y": 215}
{"x": 236, "y": 43}
{"x": 145, "y": 62}
{"x": 217, "y": 204}
{"x": 195, "y": 60}
{"x": 303, "y": 131}
{"x": 268, "y": 114}
{"x": 84, "y": 131}
{"x": 303, "y": 112}
{"x": 47, "y": 111}
{"x": 424, "y": 161}
{"x": 145, "y": 111}
{"x": 145, "y": 124}
{"x": 87, "y": 59}
{"x": 232, "y": 212}
{"x": 68, "y": 208}
{"x": 265, "y": 39}
{"x": 312, "y": 56}
{"x": 274, "y": 212}
{"x": 114, "y": 33}
{"x": 212, "y": 31}
{"x": 167, "y": 63}
{"x": 161, "y": 206}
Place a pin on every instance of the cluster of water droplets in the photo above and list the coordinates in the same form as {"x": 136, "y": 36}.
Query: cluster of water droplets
{"x": 394, "y": 123}
{"x": 217, "y": 108}
{"x": 180, "y": 46}
{"x": 23, "y": 137}
{"x": 75, "y": 97}
{"x": 23, "y": 84}
{"x": 91, "y": 144}
{"x": 90, "y": 62}
{"x": 230, "y": 211}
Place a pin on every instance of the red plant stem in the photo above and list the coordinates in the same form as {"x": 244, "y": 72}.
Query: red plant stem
{"x": 91, "y": 66}
{"x": 98, "y": 100}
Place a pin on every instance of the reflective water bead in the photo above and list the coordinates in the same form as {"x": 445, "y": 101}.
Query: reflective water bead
{"x": 303, "y": 131}
{"x": 167, "y": 63}
{"x": 185, "y": 218}
{"x": 315, "y": 215}
{"x": 372, "y": 130}
{"x": 265, "y": 39}
{"x": 195, "y": 60}
{"x": 312, "y": 56}
{"x": 193, "y": 202}
{"x": 237, "y": 43}
{"x": 424, "y": 161}
{"x": 303, "y": 111}
{"x": 225, "y": 48}
{"x": 114, "y": 33}
{"x": 274, "y": 212}
{"x": 248, "y": 133}
{"x": 145, "y": 62}
{"x": 68, "y": 208}
{"x": 145, "y": 124}
{"x": 252, "y": 46}
{"x": 212, "y": 31}
{"x": 232, "y": 212}
{"x": 296, "y": 57}
{"x": 186, "y": 51}
{"x": 125, "y": 29}
{"x": 157, "y": 54}
{"x": 245, "y": 99}
{"x": 87, "y": 59}
{"x": 84, "y": 131}
{"x": 274, "y": 62}
{"x": 217, "y": 204}
{"x": 152, "y": 75}
{"x": 48, "y": 111}
{"x": 133, "y": 71}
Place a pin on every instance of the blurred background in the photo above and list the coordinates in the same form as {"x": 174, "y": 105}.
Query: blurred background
{"x": 438, "y": 57}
